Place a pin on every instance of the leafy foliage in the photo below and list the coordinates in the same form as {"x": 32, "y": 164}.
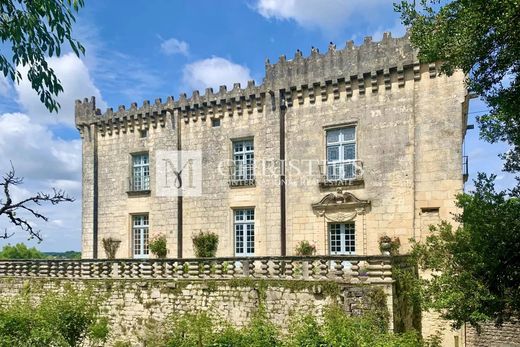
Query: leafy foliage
{"x": 58, "y": 320}
{"x": 35, "y": 30}
{"x": 205, "y": 244}
{"x": 158, "y": 246}
{"x": 481, "y": 37}
{"x": 476, "y": 266}
{"x": 20, "y": 251}
{"x": 337, "y": 329}
{"x": 305, "y": 248}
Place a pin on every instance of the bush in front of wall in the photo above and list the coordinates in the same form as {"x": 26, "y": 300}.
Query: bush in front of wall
{"x": 305, "y": 248}
{"x": 158, "y": 246}
{"x": 205, "y": 244}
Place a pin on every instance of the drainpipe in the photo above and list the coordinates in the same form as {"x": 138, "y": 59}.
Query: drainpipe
{"x": 283, "y": 236}
{"x": 95, "y": 193}
{"x": 179, "y": 196}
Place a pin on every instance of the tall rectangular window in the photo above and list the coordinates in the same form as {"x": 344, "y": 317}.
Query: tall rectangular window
{"x": 244, "y": 232}
{"x": 342, "y": 238}
{"x": 140, "y": 235}
{"x": 341, "y": 154}
{"x": 243, "y": 161}
{"x": 140, "y": 172}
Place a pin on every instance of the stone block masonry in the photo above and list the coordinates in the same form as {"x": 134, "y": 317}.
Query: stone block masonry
{"x": 133, "y": 306}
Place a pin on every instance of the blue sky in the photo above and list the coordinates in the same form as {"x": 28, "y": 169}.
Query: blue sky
{"x": 138, "y": 50}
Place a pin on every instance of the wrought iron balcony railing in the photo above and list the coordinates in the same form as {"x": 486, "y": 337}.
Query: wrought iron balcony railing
{"x": 137, "y": 186}
{"x": 341, "y": 173}
{"x": 242, "y": 175}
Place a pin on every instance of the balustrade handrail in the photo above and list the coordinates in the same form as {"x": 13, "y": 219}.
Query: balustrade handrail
{"x": 345, "y": 268}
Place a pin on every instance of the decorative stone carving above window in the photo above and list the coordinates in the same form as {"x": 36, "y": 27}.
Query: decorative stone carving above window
{"x": 340, "y": 206}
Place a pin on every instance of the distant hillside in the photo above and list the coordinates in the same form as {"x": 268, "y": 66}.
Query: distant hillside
{"x": 63, "y": 255}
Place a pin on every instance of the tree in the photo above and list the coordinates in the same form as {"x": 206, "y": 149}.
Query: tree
{"x": 35, "y": 30}
{"x": 20, "y": 251}
{"x": 481, "y": 37}
{"x": 476, "y": 266}
{"x": 9, "y": 208}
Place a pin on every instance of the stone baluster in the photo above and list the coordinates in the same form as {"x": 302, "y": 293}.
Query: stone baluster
{"x": 288, "y": 269}
{"x": 264, "y": 268}
{"x": 276, "y": 268}
{"x": 146, "y": 269}
{"x": 338, "y": 269}
{"x": 323, "y": 268}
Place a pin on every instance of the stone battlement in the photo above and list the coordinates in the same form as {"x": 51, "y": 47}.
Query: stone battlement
{"x": 368, "y": 66}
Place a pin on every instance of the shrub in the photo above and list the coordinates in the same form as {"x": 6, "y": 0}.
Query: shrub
{"x": 205, "y": 244}
{"x": 65, "y": 319}
{"x": 110, "y": 246}
{"x": 305, "y": 248}
{"x": 158, "y": 246}
{"x": 20, "y": 251}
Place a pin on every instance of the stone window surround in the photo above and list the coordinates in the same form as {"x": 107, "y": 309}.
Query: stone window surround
{"x": 132, "y": 216}
{"x": 130, "y": 188}
{"x": 328, "y": 127}
{"x": 255, "y": 231}
{"x": 240, "y": 183}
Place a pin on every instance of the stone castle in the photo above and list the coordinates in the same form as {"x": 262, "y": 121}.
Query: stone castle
{"x": 338, "y": 149}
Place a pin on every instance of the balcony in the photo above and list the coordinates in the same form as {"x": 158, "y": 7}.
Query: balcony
{"x": 465, "y": 172}
{"x": 341, "y": 174}
{"x": 138, "y": 186}
{"x": 242, "y": 175}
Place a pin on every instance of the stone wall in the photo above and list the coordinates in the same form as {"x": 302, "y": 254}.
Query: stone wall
{"x": 133, "y": 306}
{"x": 491, "y": 336}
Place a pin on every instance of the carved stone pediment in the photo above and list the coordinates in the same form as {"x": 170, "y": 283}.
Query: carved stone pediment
{"x": 340, "y": 206}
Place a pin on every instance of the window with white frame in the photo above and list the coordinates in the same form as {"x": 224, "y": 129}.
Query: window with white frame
{"x": 341, "y": 153}
{"x": 140, "y": 235}
{"x": 243, "y": 160}
{"x": 140, "y": 172}
{"x": 244, "y": 224}
{"x": 342, "y": 238}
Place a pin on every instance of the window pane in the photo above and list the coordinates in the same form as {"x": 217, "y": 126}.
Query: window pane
{"x": 244, "y": 232}
{"x": 348, "y": 134}
{"x": 332, "y": 153}
{"x": 333, "y": 136}
{"x": 349, "y": 151}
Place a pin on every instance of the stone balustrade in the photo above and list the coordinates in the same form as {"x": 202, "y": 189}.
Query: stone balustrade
{"x": 347, "y": 269}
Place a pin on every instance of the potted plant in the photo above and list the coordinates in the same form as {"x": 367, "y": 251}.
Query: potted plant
{"x": 110, "y": 246}
{"x": 385, "y": 244}
{"x": 158, "y": 246}
{"x": 305, "y": 248}
{"x": 205, "y": 244}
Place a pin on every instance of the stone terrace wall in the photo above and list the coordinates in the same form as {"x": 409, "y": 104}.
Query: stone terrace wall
{"x": 134, "y": 305}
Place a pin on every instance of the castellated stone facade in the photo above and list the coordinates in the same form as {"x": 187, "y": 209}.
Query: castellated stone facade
{"x": 370, "y": 137}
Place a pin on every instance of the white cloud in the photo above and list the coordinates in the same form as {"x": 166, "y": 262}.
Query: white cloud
{"x": 45, "y": 162}
{"x": 35, "y": 151}
{"x": 77, "y": 84}
{"x": 213, "y": 72}
{"x": 5, "y": 86}
{"x": 328, "y": 15}
{"x": 173, "y": 46}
